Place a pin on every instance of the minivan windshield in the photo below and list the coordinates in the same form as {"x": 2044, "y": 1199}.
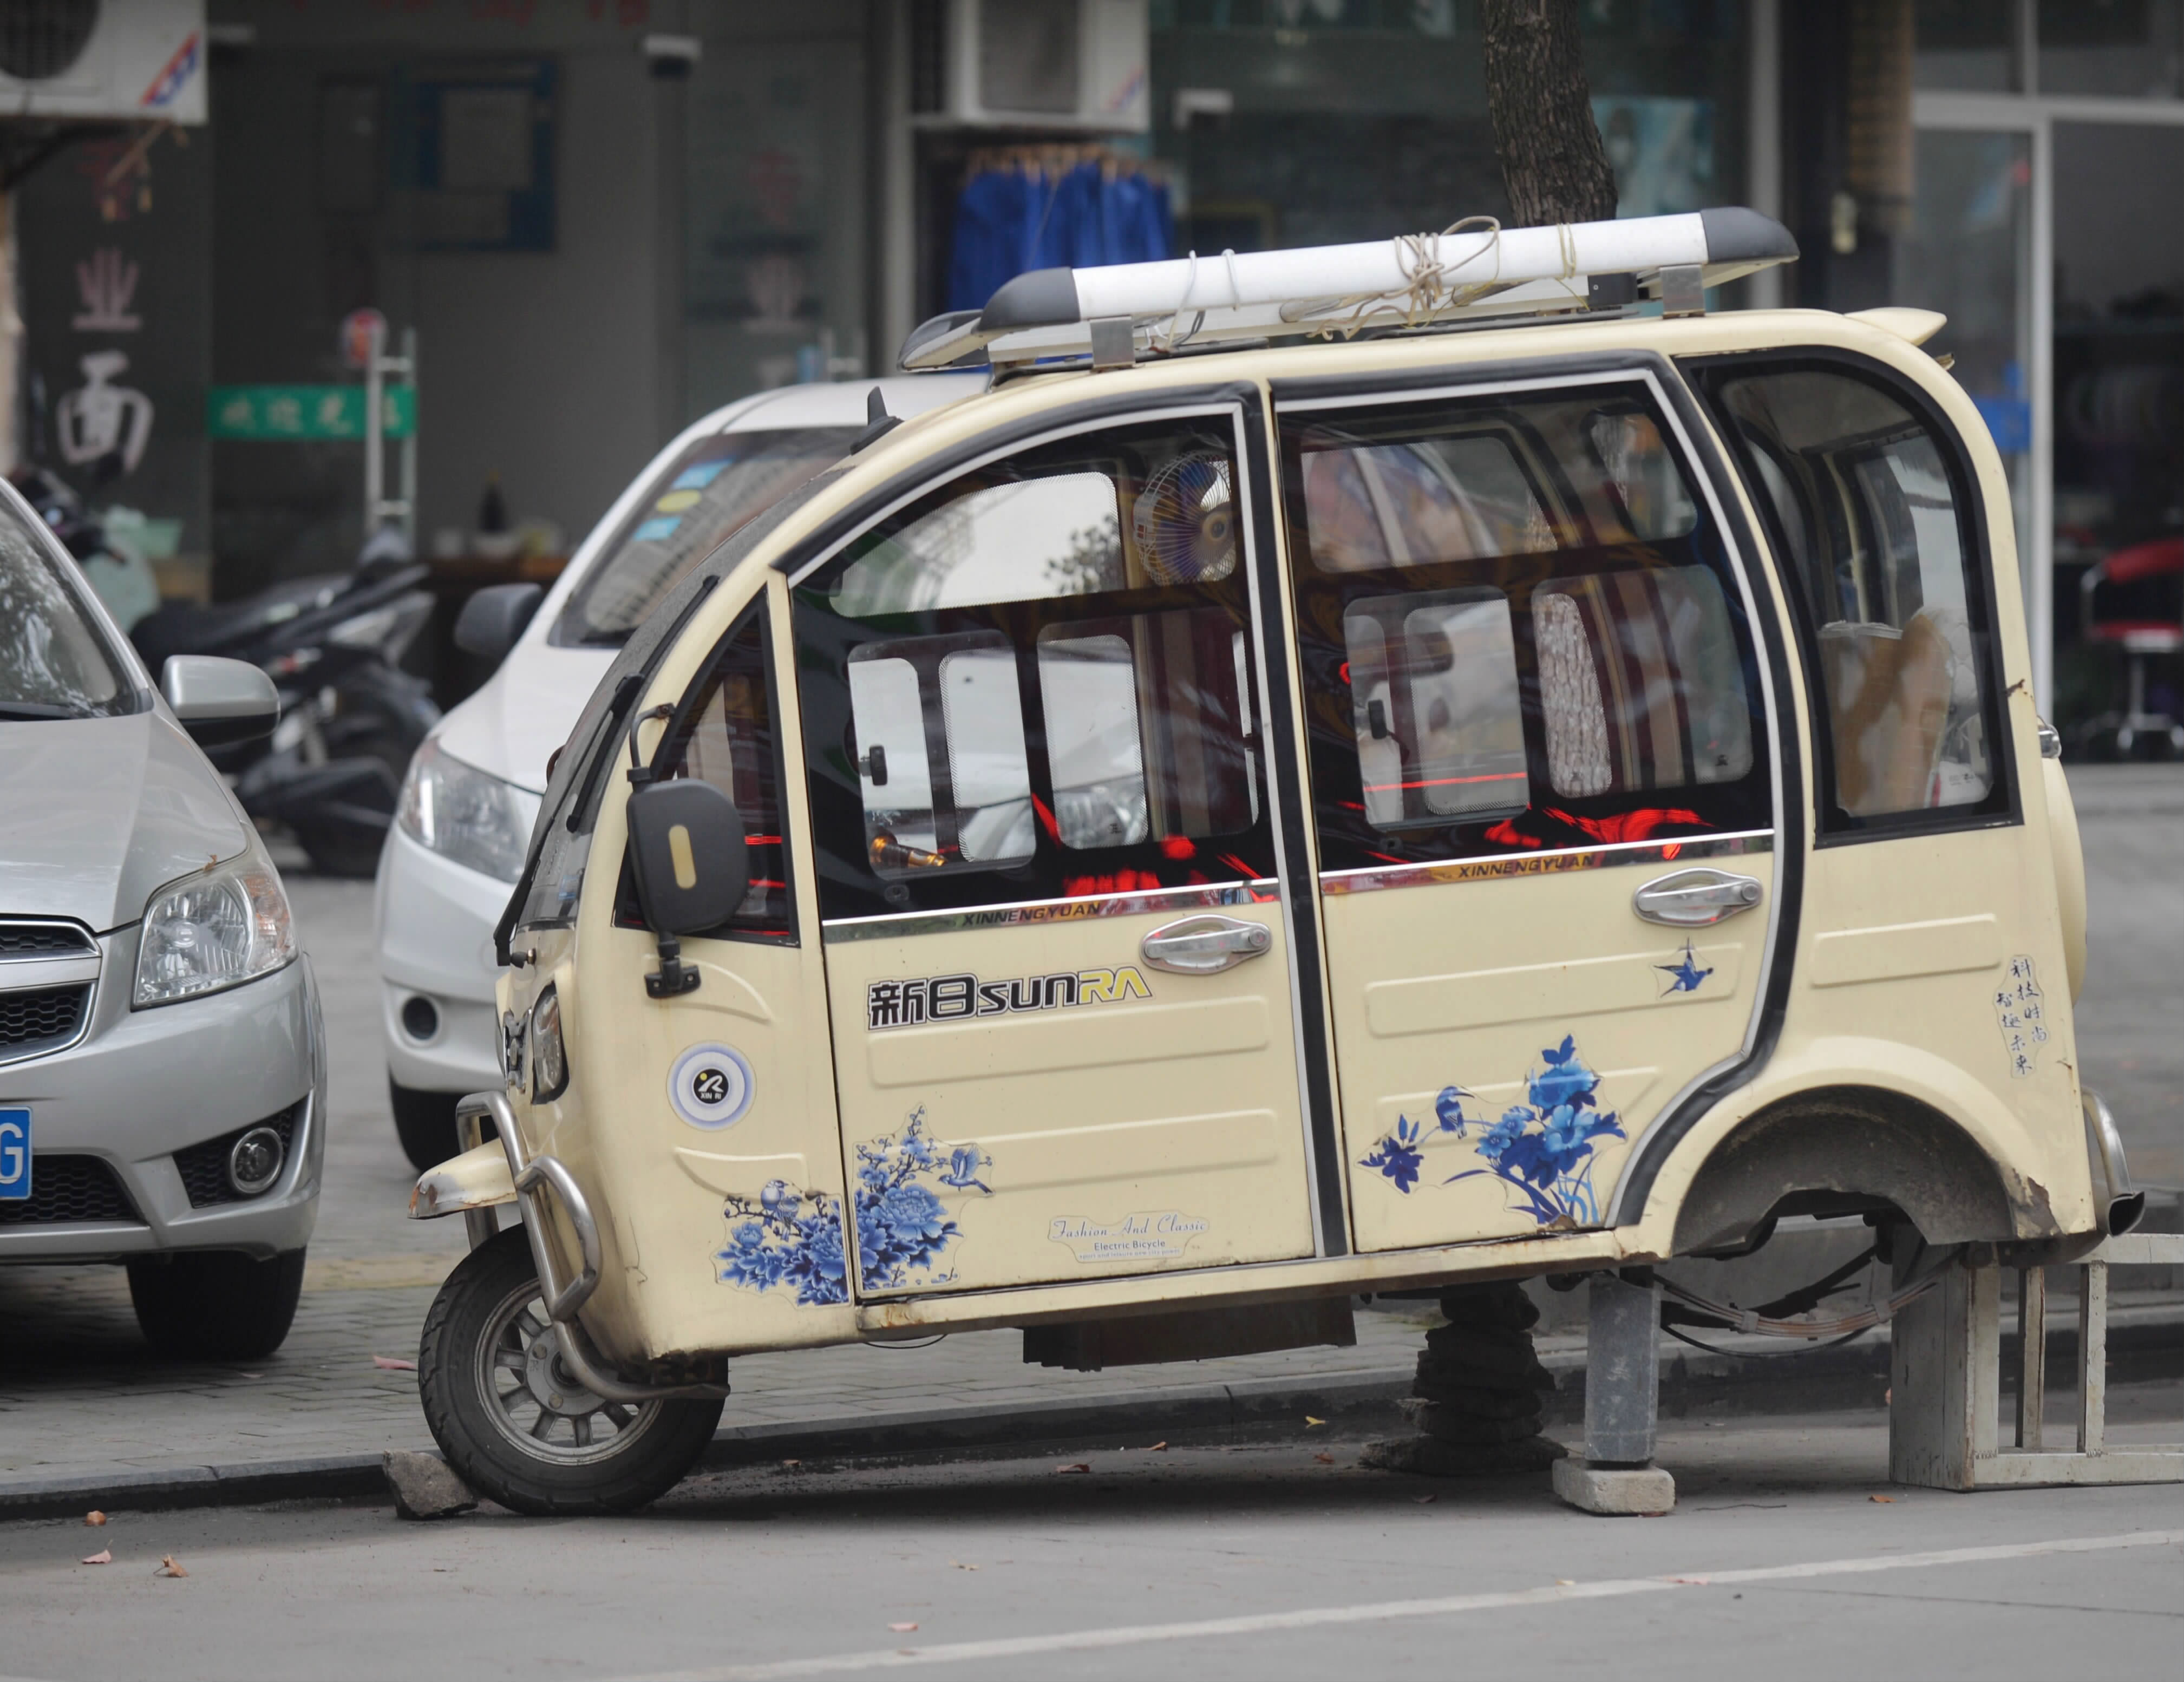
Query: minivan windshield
{"x": 705, "y": 495}
{"x": 54, "y": 661}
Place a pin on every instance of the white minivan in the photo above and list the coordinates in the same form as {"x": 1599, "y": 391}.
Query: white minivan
{"x": 473, "y": 788}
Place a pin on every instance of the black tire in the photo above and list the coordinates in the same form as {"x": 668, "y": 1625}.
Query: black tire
{"x": 340, "y": 841}
{"x": 215, "y": 1305}
{"x": 487, "y": 1344}
{"x": 350, "y": 851}
{"x": 426, "y": 1120}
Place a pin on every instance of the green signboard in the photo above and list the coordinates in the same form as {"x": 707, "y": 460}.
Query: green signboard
{"x": 300, "y": 413}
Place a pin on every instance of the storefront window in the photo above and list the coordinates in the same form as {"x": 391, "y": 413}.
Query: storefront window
{"x": 1968, "y": 253}
{"x": 2119, "y": 422}
{"x": 2129, "y": 48}
{"x": 773, "y": 251}
{"x": 1352, "y": 119}
{"x": 1968, "y": 45}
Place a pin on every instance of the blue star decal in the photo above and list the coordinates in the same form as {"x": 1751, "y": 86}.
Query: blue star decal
{"x": 1686, "y": 977}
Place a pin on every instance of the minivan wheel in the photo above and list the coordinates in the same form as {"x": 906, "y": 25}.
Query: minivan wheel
{"x": 215, "y": 1305}
{"x": 515, "y": 1425}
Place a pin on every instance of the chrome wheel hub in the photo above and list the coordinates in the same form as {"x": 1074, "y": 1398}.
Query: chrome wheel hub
{"x": 534, "y": 1400}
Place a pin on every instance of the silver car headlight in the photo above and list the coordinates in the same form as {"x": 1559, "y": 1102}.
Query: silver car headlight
{"x": 463, "y": 814}
{"x": 218, "y": 928}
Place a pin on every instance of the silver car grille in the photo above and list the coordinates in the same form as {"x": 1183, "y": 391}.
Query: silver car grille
{"x": 48, "y": 973}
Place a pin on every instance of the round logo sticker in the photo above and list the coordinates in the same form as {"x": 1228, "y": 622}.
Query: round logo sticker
{"x": 710, "y": 1086}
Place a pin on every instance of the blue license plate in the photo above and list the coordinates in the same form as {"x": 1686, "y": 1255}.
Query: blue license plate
{"x": 15, "y": 1154}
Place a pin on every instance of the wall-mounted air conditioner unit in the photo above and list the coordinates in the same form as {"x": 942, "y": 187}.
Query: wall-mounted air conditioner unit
{"x": 1078, "y": 66}
{"x": 102, "y": 60}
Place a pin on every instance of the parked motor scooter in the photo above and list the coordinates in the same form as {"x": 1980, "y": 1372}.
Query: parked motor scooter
{"x": 350, "y": 718}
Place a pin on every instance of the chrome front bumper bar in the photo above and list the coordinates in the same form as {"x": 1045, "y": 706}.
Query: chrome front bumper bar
{"x": 534, "y": 1177}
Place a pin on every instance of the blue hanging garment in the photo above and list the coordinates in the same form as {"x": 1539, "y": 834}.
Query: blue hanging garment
{"x": 1041, "y": 211}
{"x": 988, "y": 237}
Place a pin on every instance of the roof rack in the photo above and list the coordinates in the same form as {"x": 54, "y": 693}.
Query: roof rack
{"x": 1112, "y": 315}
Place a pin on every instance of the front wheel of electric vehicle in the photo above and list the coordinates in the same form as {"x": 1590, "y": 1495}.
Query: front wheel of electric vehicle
{"x": 513, "y": 1421}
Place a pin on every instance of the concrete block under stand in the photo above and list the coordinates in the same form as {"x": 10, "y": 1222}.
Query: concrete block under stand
{"x": 1614, "y": 1491}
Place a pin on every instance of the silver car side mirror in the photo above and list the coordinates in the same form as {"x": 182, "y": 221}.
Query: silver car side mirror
{"x": 220, "y": 701}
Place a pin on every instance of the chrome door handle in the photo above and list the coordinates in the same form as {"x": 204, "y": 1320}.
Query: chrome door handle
{"x": 1692, "y": 899}
{"x": 1205, "y": 945}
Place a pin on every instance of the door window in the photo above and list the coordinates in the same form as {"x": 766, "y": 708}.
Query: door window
{"x": 1434, "y": 704}
{"x": 1867, "y": 510}
{"x": 1542, "y": 644}
{"x": 1035, "y": 682}
{"x": 724, "y": 734}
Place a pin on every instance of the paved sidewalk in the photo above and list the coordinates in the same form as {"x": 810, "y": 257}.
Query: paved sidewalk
{"x": 79, "y": 1398}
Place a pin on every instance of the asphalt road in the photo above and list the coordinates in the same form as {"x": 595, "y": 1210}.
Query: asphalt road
{"x": 1268, "y": 1560}
{"x": 2132, "y": 820}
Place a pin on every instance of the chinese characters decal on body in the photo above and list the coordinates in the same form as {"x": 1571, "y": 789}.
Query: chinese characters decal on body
{"x": 2021, "y": 1011}
{"x": 954, "y": 997}
{"x": 1541, "y": 1150}
{"x": 795, "y": 1239}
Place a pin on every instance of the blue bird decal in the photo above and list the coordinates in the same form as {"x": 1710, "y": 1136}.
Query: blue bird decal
{"x": 963, "y": 1170}
{"x": 1686, "y": 977}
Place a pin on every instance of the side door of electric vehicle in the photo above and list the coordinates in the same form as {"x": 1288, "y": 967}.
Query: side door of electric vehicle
{"x": 1544, "y": 780}
{"x": 1060, "y": 961}
{"x": 1932, "y": 921}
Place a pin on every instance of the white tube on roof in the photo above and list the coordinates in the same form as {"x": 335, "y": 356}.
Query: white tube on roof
{"x": 1383, "y": 266}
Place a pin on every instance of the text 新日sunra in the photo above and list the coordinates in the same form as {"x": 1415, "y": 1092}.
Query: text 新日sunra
{"x": 951, "y": 998}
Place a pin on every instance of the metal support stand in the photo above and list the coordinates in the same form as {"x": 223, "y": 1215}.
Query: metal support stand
{"x": 1622, "y": 1402}
{"x": 1946, "y": 1381}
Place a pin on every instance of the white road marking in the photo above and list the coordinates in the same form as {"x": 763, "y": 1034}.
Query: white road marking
{"x": 1313, "y": 1617}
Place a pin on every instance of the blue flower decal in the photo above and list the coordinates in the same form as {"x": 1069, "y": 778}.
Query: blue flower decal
{"x": 1397, "y": 1154}
{"x": 786, "y": 1237}
{"x": 1562, "y": 1078}
{"x": 791, "y": 1238}
{"x": 1542, "y": 1149}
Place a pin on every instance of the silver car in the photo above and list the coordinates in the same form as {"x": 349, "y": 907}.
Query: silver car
{"x": 162, "y": 1059}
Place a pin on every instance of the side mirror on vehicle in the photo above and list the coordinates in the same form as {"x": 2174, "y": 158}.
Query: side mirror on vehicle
{"x": 692, "y": 868}
{"x": 494, "y": 618}
{"x": 220, "y": 702}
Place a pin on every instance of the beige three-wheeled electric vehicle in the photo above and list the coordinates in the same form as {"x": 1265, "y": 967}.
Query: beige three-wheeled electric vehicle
{"x": 1343, "y": 770}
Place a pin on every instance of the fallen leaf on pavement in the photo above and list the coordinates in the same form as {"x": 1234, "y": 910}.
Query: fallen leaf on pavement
{"x": 902, "y": 1628}
{"x": 1074, "y": 1466}
{"x": 788, "y": 1465}
{"x": 388, "y": 1363}
{"x": 94, "y": 1516}
{"x": 1309, "y": 1422}
{"x": 1324, "y": 1459}
{"x": 169, "y": 1566}
{"x": 104, "y": 1556}
{"x": 1157, "y": 1448}
{"x": 1886, "y": 1500}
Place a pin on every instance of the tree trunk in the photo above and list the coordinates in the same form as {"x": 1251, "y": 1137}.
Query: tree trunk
{"x": 1553, "y": 159}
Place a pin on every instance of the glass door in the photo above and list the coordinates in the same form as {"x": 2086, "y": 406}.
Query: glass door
{"x": 2119, "y": 451}
{"x": 1968, "y": 253}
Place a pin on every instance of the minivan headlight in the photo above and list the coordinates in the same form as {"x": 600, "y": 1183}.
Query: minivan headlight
{"x": 465, "y": 814}
{"x": 218, "y": 928}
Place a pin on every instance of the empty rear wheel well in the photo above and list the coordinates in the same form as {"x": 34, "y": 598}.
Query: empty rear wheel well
{"x": 1843, "y": 1146}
